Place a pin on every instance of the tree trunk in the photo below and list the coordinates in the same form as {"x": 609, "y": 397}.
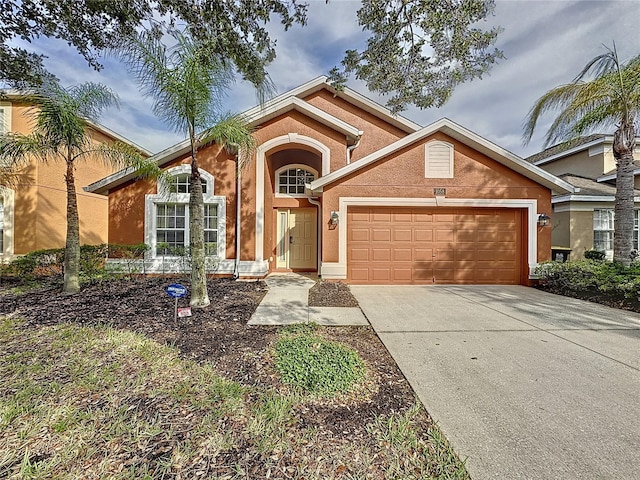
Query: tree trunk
{"x": 199, "y": 294}
{"x": 623, "y": 146}
{"x": 72, "y": 247}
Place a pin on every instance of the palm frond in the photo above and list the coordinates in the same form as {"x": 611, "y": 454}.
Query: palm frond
{"x": 232, "y": 130}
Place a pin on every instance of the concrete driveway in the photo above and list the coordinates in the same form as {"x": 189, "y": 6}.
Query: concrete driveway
{"x": 523, "y": 383}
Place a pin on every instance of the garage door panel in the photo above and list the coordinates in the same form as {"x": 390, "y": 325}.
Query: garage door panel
{"x": 402, "y": 235}
{"x": 433, "y": 245}
{"x": 381, "y": 254}
{"x": 381, "y": 234}
{"x": 422, "y": 235}
{"x": 402, "y": 255}
{"x": 359, "y": 235}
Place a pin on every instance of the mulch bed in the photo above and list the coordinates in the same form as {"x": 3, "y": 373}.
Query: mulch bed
{"x": 610, "y": 299}
{"x": 219, "y": 334}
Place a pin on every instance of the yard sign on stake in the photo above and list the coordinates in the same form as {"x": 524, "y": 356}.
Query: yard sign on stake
{"x": 176, "y": 291}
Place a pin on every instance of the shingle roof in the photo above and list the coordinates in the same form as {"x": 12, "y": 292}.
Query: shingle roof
{"x": 562, "y": 147}
{"x": 589, "y": 186}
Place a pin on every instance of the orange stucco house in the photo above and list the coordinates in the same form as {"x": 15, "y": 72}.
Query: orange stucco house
{"x": 341, "y": 186}
{"x": 33, "y": 213}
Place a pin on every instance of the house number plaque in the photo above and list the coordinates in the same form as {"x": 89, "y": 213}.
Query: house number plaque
{"x": 439, "y": 192}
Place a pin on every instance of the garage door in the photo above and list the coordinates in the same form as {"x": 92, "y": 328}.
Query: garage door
{"x": 422, "y": 245}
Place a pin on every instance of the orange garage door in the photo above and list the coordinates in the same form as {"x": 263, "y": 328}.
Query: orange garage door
{"x": 433, "y": 245}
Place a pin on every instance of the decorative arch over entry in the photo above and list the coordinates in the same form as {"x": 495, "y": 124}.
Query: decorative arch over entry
{"x": 291, "y": 138}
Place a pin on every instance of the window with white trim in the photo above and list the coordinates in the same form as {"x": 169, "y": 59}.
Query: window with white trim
{"x": 603, "y": 227}
{"x": 182, "y": 184}
{"x": 291, "y": 179}
{"x": 5, "y": 117}
{"x": 438, "y": 160}
{"x": 167, "y": 216}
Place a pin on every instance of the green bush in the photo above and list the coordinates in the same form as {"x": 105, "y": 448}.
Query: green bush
{"x": 594, "y": 255}
{"x": 580, "y": 275}
{"x": 317, "y": 365}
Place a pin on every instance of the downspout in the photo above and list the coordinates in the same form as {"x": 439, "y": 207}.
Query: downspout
{"x": 236, "y": 266}
{"x": 319, "y": 232}
{"x": 351, "y": 148}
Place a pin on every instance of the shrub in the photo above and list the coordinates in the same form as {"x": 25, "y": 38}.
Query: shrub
{"x": 317, "y": 365}
{"x": 597, "y": 255}
{"x": 606, "y": 277}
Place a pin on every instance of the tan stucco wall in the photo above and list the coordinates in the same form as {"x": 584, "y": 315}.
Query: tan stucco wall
{"x": 580, "y": 164}
{"x": 581, "y": 228}
{"x": 40, "y": 200}
{"x": 560, "y": 235}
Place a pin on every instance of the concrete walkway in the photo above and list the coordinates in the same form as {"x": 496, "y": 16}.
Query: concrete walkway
{"x": 287, "y": 302}
{"x": 524, "y": 384}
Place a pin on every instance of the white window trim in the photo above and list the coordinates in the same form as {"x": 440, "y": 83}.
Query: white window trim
{"x": 6, "y": 107}
{"x": 427, "y": 146}
{"x": 289, "y": 167}
{"x": 163, "y": 196}
{"x": 609, "y": 252}
{"x": 7, "y": 252}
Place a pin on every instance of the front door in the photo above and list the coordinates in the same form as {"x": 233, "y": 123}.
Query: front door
{"x": 297, "y": 238}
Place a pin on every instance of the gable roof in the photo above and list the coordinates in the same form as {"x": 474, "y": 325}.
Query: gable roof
{"x": 464, "y": 136}
{"x": 290, "y": 100}
{"x": 567, "y": 148}
{"x": 15, "y": 95}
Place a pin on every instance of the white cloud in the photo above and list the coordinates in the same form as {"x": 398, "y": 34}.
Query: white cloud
{"x": 546, "y": 43}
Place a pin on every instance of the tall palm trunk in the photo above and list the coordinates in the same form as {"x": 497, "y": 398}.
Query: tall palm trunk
{"x": 199, "y": 294}
{"x": 72, "y": 248}
{"x": 623, "y": 146}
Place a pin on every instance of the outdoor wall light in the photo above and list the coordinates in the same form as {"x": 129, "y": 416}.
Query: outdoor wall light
{"x": 335, "y": 218}
{"x": 544, "y": 220}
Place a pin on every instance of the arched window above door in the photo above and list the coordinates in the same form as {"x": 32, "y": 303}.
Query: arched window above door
{"x": 291, "y": 180}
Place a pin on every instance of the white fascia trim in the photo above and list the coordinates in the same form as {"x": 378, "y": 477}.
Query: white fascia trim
{"x": 294, "y": 103}
{"x": 8, "y": 230}
{"x": 573, "y": 150}
{"x": 348, "y": 95}
{"x": 587, "y": 198}
{"x": 465, "y": 136}
{"x": 345, "y": 202}
{"x": 613, "y": 176}
{"x": 261, "y": 153}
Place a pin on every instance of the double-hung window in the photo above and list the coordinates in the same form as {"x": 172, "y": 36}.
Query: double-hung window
{"x": 167, "y": 216}
{"x": 603, "y": 227}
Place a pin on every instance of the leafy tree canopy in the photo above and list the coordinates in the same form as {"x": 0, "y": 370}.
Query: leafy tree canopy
{"x": 419, "y": 51}
{"x": 236, "y": 29}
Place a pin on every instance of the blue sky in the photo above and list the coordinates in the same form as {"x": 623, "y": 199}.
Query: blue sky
{"x": 546, "y": 43}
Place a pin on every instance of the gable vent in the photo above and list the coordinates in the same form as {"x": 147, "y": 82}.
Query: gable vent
{"x": 438, "y": 161}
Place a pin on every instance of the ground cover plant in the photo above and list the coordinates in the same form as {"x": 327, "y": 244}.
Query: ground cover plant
{"x": 102, "y": 384}
{"x": 609, "y": 283}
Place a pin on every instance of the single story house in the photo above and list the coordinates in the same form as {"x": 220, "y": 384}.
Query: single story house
{"x": 584, "y": 220}
{"x": 341, "y": 186}
{"x": 33, "y": 213}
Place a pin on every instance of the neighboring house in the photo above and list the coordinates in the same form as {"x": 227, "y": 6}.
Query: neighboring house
{"x": 584, "y": 220}
{"x": 33, "y": 213}
{"x": 340, "y": 186}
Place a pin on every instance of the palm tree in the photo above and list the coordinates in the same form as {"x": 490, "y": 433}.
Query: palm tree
{"x": 62, "y": 133}
{"x": 187, "y": 83}
{"x": 609, "y": 98}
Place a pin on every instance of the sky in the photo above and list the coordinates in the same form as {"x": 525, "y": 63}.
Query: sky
{"x": 545, "y": 43}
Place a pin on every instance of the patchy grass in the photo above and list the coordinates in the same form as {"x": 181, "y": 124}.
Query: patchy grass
{"x": 96, "y": 402}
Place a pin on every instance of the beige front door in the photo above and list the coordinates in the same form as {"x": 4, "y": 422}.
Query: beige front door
{"x": 297, "y": 238}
